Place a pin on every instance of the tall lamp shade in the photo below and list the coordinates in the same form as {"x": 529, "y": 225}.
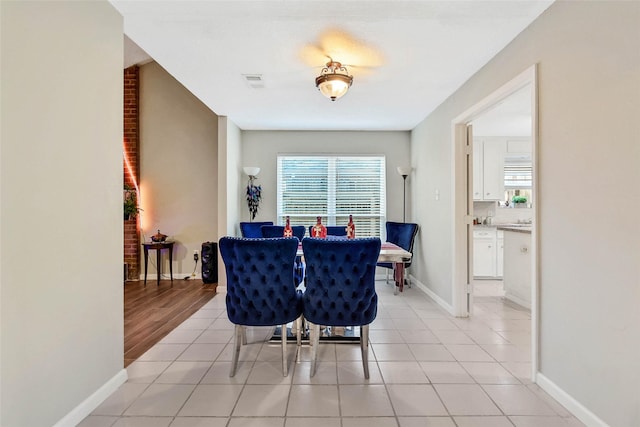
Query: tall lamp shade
{"x": 404, "y": 172}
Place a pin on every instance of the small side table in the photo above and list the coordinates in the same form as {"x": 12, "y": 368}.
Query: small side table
{"x": 158, "y": 246}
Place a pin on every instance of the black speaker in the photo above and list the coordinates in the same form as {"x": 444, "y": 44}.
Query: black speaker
{"x": 209, "y": 255}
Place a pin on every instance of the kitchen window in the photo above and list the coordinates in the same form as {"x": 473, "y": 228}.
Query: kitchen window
{"x": 518, "y": 178}
{"x": 333, "y": 187}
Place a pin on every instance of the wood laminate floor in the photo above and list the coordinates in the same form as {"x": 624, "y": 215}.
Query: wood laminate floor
{"x": 151, "y": 312}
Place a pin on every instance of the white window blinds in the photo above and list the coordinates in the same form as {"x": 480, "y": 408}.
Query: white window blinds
{"x": 517, "y": 175}
{"x": 333, "y": 187}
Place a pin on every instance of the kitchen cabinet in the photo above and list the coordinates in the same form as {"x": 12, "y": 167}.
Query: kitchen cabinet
{"x": 488, "y": 169}
{"x": 500, "y": 253}
{"x": 488, "y": 255}
{"x": 519, "y": 145}
{"x": 484, "y": 252}
{"x": 517, "y": 271}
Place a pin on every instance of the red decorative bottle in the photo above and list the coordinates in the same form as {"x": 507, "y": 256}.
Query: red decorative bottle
{"x": 288, "y": 232}
{"x": 319, "y": 230}
{"x": 351, "y": 228}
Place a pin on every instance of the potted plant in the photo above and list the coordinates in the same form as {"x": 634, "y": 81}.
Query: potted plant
{"x": 519, "y": 201}
{"x": 131, "y": 208}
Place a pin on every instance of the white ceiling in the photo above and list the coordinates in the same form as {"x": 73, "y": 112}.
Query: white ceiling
{"x": 406, "y": 57}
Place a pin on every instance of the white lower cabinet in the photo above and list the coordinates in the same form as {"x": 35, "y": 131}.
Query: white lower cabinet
{"x": 488, "y": 255}
{"x": 484, "y": 253}
{"x": 517, "y": 274}
{"x": 500, "y": 253}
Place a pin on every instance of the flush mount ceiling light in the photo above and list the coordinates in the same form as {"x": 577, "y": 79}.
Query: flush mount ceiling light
{"x": 334, "y": 80}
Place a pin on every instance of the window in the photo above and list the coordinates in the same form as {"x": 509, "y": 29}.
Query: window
{"x": 517, "y": 177}
{"x": 333, "y": 187}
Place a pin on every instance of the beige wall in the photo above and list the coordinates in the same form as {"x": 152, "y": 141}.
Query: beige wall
{"x": 261, "y": 148}
{"x": 588, "y": 56}
{"x": 178, "y": 169}
{"x": 61, "y": 210}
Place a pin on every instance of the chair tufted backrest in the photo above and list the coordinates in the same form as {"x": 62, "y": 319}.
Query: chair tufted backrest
{"x": 270, "y": 231}
{"x": 252, "y": 230}
{"x": 336, "y": 230}
{"x": 332, "y": 230}
{"x": 340, "y": 281}
{"x": 298, "y": 231}
{"x": 260, "y": 285}
{"x": 278, "y": 231}
{"x": 402, "y": 234}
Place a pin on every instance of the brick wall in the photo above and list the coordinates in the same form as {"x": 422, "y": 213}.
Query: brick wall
{"x": 131, "y": 149}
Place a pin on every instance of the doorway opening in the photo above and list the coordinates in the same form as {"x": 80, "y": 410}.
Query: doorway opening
{"x": 502, "y": 200}
{"x": 481, "y": 202}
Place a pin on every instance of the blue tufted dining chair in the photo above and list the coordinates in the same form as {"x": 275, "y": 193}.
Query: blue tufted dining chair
{"x": 332, "y": 230}
{"x": 278, "y": 231}
{"x": 260, "y": 287}
{"x": 340, "y": 288}
{"x": 402, "y": 234}
{"x": 253, "y": 230}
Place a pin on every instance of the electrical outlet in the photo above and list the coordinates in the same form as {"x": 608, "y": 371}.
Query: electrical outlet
{"x": 195, "y": 256}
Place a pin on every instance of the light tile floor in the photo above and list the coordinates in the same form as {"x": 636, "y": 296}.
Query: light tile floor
{"x": 427, "y": 369}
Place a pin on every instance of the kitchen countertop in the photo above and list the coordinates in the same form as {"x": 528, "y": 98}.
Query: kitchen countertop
{"x": 516, "y": 228}
{"x": 485, "y": 225}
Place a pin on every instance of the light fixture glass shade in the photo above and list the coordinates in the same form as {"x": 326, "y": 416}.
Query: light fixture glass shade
{"x": 333, "y": 86}
{"x": 334, "y": 81}
{"x": 251, "y": 170}
{"x": 404, "y": 170}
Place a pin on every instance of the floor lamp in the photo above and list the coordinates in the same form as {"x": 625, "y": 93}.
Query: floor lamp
{"x": 404, "y": 171}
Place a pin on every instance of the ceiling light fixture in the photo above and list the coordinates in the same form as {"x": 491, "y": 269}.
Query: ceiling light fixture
{"x": 334, "y": 80}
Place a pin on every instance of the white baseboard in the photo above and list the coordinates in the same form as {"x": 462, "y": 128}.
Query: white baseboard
{"x": 85, "y": 408}
{"x": 442, "y": 303}
{"x": 576, "y": 408}
{"x": 520, "y": 301}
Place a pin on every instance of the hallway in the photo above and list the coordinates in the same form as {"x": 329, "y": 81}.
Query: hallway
{"x": 427, "y": 368}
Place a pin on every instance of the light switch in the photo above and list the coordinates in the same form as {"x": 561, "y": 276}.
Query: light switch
{"x": 437, "y": 194}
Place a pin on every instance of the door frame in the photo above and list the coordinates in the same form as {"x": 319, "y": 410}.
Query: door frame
{"x": 460, "y": 180}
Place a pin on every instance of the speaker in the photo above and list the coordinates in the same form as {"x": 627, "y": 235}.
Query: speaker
{"x": 209, "y": 255}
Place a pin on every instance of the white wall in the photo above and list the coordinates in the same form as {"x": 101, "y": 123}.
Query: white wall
{"x": 261, "y": 148}
{"x": 61, "y": 208}
{"x": 588, "y": 56}
{"x": 178, "y": 169}
{"x": 229, "y": 149}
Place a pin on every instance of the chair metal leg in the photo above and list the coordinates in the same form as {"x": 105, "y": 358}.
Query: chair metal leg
{"x": 314, "y": 339}
{"x": 238, "y": 334}
{"x": 298, "y": 337}
{"x": 388, "y": 274}
{"x": 284, "y": 350}
{"x": 364, "y": 348}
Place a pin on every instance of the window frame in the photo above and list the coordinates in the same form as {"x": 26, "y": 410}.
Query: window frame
{"x": 332, "y": 215}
